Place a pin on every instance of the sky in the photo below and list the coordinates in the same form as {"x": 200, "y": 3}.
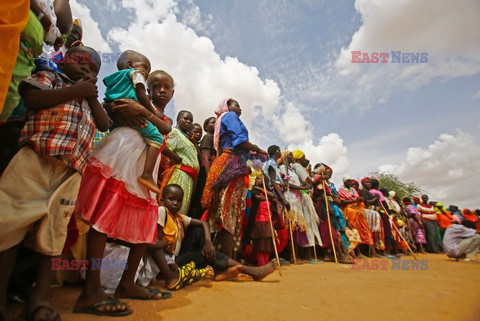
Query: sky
{"x": 289, "y": 64}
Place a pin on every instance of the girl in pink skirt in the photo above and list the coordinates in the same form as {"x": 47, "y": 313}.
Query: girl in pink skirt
{"x": 117, "y": 207}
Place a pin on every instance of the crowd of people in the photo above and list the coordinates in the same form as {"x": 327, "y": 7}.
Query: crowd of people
{"x": 84, "y": 180}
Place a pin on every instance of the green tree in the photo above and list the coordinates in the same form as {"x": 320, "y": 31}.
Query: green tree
{"x": 393, "y": 183}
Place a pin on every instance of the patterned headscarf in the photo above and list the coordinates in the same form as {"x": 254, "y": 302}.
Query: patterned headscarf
{"x": 220, "y": 111}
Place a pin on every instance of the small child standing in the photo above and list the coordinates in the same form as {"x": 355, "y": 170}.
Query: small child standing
{"x": 261, "y": 234}
{"x": 40, "y": 184}
{"x": 130, "y": 82}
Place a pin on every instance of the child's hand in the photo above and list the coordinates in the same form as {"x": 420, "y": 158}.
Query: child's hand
{"x": 86, "y": 87}
{"x": 208, "y": 251}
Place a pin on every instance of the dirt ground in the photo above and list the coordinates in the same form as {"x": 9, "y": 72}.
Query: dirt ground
{"x": 445, "y": 290}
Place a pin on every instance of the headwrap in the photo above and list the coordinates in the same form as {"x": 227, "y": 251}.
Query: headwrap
{"x": 297, "y": 154}
{"x": 354, "y": 181}
{"x": 365, "y": 179}
{"x": 416, "y": 198}
{"x": 272, "y": 149}
{"x": 391, "y": 194}
{"x": 440, "y": 206}
{"x": 346, "y": 178}
{"x": 220, "y": 111}
{"x": 77, "y": 22}
{"x": 327, "y": 167}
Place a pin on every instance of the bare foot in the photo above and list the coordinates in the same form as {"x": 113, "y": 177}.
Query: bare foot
{"x": 149, "y": 183}
{"x": 258, "y": 273}
{"x": 228, "y": 274}
{"x": 41, "y": 310}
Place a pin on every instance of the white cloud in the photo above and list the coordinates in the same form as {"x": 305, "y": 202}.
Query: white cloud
{"x": 150, "y": 10}
{"x": 477, "y": 95}
{"x": 330, "y": 150}
{"x": 448, "y": 169}
{"x": 194, "y": 18}
{"x": 202, "y": 78}
{"x": 91, "y": 33}
{"x": 448, "y": 31}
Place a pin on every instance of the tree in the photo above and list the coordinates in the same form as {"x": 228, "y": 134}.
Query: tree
{"x": 393, "y": 183}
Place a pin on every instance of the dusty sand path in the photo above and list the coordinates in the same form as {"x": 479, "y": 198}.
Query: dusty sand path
{"x": 446, "y": 290}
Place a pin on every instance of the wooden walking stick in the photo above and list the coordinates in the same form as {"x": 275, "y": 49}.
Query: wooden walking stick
{"x": 401, "y": 236}
{"x": 328, "y": 219}
{"x": 271, "y": 224}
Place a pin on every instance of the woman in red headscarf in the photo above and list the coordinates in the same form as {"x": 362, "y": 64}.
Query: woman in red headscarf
{"x": 224, "y": 192}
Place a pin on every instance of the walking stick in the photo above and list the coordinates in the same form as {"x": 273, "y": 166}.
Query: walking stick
{"x": 328, "y": 219}
{"x": 401, "y": 236}
{"x": 271, "y": 225}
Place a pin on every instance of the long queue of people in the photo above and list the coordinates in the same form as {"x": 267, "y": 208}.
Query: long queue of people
{"x": 113, "y": 194}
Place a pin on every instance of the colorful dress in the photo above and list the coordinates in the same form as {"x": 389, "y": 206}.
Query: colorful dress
{"x": 354, "y": 212}
{"x": 185, "y": 173}
{"x": 309, "y": 212}
{"x": 225, "y": 190}
{"x": 414, "y": 223}
{"x": 295, "y": 215}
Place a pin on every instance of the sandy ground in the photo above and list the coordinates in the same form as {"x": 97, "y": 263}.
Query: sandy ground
{"x": 446, "y": 290}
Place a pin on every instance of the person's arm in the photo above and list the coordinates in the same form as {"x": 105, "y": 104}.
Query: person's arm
{"x": 64, "y": 16}
{"x": 372, "y": 201}
{"x": 252, "y": 148}
{"x": 172, "y": 155}
{"x": 348, "y": 201}
{"x": 37, "y": 99}
{"x": 159, "y": 243}
{"x": 135, "y": 114}
{"x": 208, "y": 250}
{"x": 143, "y": 98}
{"x": 102, "y": 121}
{"x": 272, "y": 176}
{"x": 205, "y": 160}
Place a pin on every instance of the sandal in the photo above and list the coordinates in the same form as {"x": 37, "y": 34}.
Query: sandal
{"x": 93, "y": 308}
{"x": 152, "y": 295}
{"x": 184, "y": 274}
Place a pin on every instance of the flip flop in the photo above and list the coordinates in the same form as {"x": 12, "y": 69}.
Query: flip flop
{"x": 93, "y": 308}
{"x": 152, "y": 295}
{"x": 184, "y": 274}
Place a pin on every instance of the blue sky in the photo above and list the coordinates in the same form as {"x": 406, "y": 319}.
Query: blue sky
{"x": 289, "y": 65}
